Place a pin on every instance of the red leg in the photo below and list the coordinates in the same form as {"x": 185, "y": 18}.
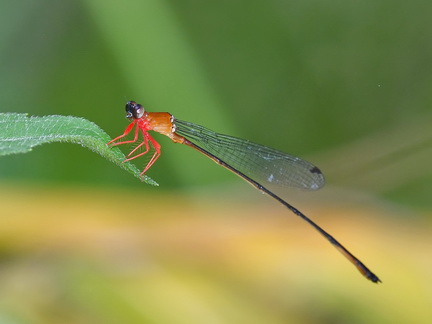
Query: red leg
{"x": 147, "y": 140}
{"x": 147, "y": 146}
{"x": 156, "y": 145}
{"x": 143, "y": 143}
{"x": 126, "y": 132}
{"x": 155, "y": 156}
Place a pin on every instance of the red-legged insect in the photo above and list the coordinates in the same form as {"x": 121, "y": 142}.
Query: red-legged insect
{"x": 253, "y": 162}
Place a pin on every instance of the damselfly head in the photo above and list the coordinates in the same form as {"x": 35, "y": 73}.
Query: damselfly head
{"x": 134, "y": 110}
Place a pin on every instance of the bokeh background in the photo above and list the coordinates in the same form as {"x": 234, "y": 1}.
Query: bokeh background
{"x": 344, "y": 84}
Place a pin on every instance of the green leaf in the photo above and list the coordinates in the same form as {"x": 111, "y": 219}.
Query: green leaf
{"x": 20, "y": 133}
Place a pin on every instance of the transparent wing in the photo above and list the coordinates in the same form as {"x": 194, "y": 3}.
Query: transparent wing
{"x": 261, "y": 163}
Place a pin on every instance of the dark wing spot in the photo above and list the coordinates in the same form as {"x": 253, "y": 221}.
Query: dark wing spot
{"x": 315, "y": 170}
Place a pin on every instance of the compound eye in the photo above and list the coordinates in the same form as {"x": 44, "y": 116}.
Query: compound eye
{"x": 139, "y": 111}
{"x": 134, "y": 110}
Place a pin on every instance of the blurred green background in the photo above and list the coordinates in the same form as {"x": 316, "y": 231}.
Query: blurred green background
{"x": 344, "y": 84}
